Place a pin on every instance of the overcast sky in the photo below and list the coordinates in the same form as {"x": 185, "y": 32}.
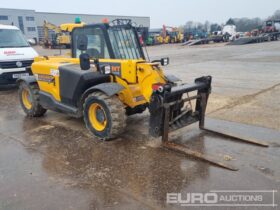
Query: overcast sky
{"x": 169, "y": 12}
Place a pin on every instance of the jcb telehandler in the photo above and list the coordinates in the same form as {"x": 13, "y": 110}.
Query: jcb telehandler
{"x": 108, "y": 78}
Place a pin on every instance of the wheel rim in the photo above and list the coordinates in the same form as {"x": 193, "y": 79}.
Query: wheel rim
{"x": 97, "y": 117}
{"x": 26, "y": 99}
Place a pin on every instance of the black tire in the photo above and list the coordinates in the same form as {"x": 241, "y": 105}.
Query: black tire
{"x": 113, "y": 112}
{"x": 35, "y": 109}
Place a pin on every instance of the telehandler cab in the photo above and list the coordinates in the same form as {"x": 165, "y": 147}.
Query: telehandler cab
{"x": 108, "y": 78}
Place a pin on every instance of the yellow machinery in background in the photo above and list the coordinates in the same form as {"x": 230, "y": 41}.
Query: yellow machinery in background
{"x": 154, "y": 37}
{"x": 159, "y": 39}
{"x": 172, "y": 35}
{"x": 62, "y": 36}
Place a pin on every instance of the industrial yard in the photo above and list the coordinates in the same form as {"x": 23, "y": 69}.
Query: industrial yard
{"x": 54, "y": 162}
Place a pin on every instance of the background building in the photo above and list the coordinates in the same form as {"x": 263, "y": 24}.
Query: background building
{"x": 31, "y": 22}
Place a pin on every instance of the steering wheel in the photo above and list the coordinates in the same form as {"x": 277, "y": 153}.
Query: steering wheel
{"x": 93, "y": 53}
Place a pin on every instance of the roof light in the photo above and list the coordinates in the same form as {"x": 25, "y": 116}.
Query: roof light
{"x": 77, "y": 20}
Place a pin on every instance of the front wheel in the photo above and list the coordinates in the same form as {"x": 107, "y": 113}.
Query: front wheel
{"x": 104, "y": 116}
{"x": 29, "y": 100}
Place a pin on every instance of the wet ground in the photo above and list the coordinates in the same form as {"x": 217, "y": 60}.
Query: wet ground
{"x": 54, "y": 163}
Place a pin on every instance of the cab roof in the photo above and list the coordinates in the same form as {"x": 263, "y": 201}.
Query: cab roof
{"x": 8, "y": 27}
{"x": 70, "y": 26}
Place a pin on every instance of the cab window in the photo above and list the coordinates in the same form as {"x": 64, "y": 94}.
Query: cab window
{"x": 96, "y": 47}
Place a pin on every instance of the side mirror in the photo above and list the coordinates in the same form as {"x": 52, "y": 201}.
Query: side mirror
{"x": 82, "y": 42}
{"x": 84, "y": 61}
{"x": 32, "y": 42}
{"x": 164, "y": 61}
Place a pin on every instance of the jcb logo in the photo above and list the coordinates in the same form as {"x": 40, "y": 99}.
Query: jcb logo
{"x": 116, "y": 68}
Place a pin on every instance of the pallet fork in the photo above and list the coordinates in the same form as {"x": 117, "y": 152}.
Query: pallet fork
{"x": 168, "y": 113}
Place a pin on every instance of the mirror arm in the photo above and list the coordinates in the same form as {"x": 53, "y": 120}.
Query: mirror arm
{"x": 163, "y": 61}
{"x": 156, "y": 61}
{"x": 96, "y": 62}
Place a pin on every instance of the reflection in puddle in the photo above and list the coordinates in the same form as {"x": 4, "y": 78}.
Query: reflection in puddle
{"x": 128, "y": 165}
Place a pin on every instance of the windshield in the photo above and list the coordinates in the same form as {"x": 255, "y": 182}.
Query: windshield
{"x": 154, "y": 34}
{"x": 10, "y": 38}
{"x": 96, "y": 48}
{"x": 269, "y": 23}
{"x": 174, "y": 33}
{"x": 124, "y": 43}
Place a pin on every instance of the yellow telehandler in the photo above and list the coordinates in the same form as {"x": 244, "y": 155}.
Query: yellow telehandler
{"x": 109, "y": 78}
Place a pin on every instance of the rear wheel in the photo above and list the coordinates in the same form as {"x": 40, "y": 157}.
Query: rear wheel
{"x": 29, "y": 100}
{"x": 104, "y": 116}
